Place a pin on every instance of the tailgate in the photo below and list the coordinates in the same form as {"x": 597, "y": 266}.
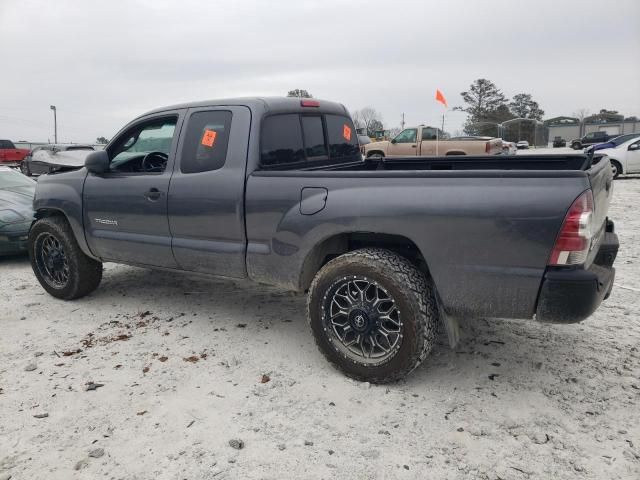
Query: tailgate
{"x": 601, "y": 179}
{"x": 494, "y": 146}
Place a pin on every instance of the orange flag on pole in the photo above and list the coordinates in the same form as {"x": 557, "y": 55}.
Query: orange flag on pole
{"x": 440, "y": 98}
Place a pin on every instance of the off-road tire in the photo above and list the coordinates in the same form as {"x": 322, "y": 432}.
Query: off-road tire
{"x": 85, "y": 273}
{"x": 413, "y": 293}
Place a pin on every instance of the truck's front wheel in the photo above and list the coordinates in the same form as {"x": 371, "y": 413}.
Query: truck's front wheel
{"x": 60, "y": 265}
{"x": 373, "y": 314}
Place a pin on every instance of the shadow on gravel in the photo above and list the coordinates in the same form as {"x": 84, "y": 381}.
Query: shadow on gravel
{"x": 491, "y": 353}
{"x": 14, "y": 260}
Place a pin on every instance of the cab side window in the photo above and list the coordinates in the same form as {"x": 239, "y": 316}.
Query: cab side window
{"x": 429, "y": 133}
{"x": 407, "y": 136}
{"x": 206, "y": 141}
{"x": 144, "y": 148}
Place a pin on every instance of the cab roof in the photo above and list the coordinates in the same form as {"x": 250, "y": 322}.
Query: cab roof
{"x": 265, "y": 105}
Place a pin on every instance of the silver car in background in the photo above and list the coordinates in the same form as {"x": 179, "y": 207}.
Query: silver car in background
{"x": 50, "y": 158}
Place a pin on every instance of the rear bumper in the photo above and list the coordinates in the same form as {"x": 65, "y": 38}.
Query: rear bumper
{"x": 569, "y": 296}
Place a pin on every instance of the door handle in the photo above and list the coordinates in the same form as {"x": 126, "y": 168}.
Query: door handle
{"x": 153, "y": 194}
{"x": 413, "y": 146}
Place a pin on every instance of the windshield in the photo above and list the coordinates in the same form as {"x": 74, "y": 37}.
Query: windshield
{"x": 10, "y": 179}
{"x": 623, "y": 138}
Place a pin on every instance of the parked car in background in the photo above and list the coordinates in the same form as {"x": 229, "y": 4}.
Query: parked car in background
{"x": 275, "y": 190}
{"x": 509, "y": 148}
{"x": 625, "y": 158}
{"x": 16, "y": 210}
{"x": 613, "y": 143}
{"x": 430, "y": 141}
{"x": 591, "y": 138}
{"x": 10, "y": 156}
{"x": 50, "y": 158}
{"x": 559, "y": 142}
{"x": 522, "y": 145}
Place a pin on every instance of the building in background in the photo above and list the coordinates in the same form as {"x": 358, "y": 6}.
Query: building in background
{"x": 611, "y": 122}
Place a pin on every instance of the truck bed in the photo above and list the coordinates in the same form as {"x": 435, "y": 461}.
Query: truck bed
{"x": 485, "y": 225}
{"x": 577, "y": 162}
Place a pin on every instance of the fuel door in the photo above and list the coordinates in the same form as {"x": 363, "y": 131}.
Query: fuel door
{"x": 312, "y": 200}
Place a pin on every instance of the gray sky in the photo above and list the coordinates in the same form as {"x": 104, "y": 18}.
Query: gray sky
{"x": 104, "y": 62}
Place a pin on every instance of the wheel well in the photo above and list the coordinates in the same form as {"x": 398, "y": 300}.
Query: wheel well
{"x": 613, "y": 160}
{"x": 375, "y": 152}
{"x": 337, "y": 245}
{"x": 49, "y": 212}
{"x": 455, "y": 152}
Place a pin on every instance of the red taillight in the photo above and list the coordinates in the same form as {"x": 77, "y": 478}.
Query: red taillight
{"x": 574, "y": 239}
{"x": 309, "y": 103}
{"x": 487, "y": 148}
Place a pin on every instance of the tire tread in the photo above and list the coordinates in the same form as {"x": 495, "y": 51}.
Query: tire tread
{"x": 420, "y": 289}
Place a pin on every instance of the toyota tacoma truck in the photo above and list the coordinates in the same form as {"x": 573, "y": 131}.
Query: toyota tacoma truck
{"x": 10, "y": 156}
{"x": 275, "y": 190}
{"x": 430, "y": 141}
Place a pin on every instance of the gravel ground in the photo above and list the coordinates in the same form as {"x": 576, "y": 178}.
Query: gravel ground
{"x": 152, "y": 375}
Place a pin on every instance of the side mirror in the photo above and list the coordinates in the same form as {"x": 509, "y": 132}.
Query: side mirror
{"x": 394, "y": 141}
{"x": 634, "y": 146}
{"x": 97, "y": 162}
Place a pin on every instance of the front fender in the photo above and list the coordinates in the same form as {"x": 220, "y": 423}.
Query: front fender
{"x": 61, "y": 194}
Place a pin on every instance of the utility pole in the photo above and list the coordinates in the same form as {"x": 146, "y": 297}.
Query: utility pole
{"x": 402, "y": 122}
{"x": 55, "y": 124}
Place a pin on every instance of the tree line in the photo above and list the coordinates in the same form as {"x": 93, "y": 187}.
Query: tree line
{"x": 484, "y": 103}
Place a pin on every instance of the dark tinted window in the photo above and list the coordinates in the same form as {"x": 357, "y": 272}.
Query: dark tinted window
{"x": 206, "y": 141}
{"x": 429, "y": 133}
{"x": 281, "y": 140}
{"x": 6, "y": 144}
{"x": 313, "y": 133}
{"x": 343, "y": 140}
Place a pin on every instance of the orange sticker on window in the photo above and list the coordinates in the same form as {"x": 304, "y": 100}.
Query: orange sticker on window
{"x": 346, "y": 132}
{"x": 209, "y": 138}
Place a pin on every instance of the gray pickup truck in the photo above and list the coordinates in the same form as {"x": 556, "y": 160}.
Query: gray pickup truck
{"x": 275, "y": 190}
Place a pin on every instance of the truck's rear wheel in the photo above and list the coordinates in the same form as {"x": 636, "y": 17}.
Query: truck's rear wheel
{"x": 59, "y": 264}
{"x": 375, "y": 154}
{"x": 576, "y": 145}
{"x": 373, "y": 314}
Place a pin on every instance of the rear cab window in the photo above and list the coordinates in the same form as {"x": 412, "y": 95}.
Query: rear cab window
{"x": 294, "y": 141}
